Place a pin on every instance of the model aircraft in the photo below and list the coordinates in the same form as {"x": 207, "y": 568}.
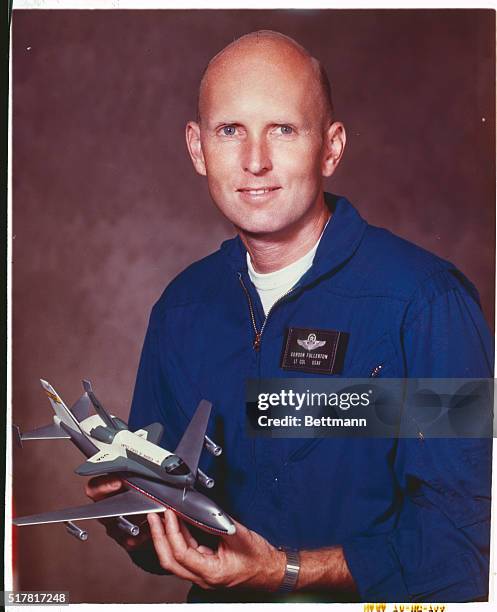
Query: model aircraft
{"x": 155, "y": 478}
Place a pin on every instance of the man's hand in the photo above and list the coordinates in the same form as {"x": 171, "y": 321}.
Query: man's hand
{"x": 106, "y": 486}
{"x": 245, "y": 559}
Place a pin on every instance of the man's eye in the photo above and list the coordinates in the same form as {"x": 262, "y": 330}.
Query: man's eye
{"x": 284, "y": 130}
{"x": 229, "y": 130}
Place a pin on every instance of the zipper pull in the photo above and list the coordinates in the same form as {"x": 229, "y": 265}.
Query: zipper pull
{"x": 376, "y": 371}
{"x": 257, "y": 341}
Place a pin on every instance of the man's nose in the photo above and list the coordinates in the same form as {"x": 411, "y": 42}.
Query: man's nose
{"x": 257, "y": 156}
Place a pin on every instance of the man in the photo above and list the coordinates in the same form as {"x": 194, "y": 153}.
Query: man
{"x": 371, "y": 519}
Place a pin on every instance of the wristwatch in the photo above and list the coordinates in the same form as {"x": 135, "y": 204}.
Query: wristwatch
{"x": 292, "y": 570}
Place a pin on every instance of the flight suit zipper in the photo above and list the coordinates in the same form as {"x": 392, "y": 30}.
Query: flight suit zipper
{"x": 258, "y": 333}
{"x": 376, "y": 371}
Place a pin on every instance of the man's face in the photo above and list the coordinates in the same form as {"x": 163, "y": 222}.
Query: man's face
{"x": 262, "y": 144}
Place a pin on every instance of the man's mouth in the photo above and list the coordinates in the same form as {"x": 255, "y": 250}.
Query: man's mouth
{"x": 257, "y": 191}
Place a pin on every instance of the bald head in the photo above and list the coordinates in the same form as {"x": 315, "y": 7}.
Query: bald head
{"x": 268, "y": 49}
{"x": 265, "y": 139}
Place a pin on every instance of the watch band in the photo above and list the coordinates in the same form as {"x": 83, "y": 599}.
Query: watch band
{"x": 291, "y": 571}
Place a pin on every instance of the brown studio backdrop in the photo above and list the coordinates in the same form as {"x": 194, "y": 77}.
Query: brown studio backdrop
{"x": 107, "y": 208}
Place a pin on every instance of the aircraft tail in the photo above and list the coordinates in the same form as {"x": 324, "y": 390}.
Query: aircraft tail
{"x": 61, "y": 410}
{"x": 191, "y": 444}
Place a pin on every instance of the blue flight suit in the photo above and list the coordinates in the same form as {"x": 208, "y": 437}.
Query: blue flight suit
{"x": 412, "y": 515}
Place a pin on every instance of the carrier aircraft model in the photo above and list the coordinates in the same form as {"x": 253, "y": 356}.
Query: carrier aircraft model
{"x": 154, "y": 478}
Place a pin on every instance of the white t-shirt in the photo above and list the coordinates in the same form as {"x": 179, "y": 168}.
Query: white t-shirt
{"x": 273, "y": 285}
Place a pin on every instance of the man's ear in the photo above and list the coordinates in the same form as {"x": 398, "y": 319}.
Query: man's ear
{"x": 334, "y": 146}
{"x": 195, "y": 147}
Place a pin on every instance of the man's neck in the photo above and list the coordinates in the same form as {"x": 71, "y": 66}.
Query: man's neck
{"x": 271, "y": 252}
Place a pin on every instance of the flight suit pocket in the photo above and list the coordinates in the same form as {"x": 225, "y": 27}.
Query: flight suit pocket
{"x": 459, "y": 478}
{"x": 447, "y": 582}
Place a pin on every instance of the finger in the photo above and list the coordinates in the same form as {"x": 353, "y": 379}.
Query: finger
{"x": 102, "y": 486}
{"x": 191, "y": 541}
{"x": 175, "y": 534}
{"x": 190, "y": 558}
{"x": 239, "y": 539}
{"x": 165, "y": 555}
{"x": 189, "y": 538}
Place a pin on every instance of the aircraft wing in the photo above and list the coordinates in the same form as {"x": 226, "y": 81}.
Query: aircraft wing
{"x": 192, "y": 442}
{"x": 122, "y": 504}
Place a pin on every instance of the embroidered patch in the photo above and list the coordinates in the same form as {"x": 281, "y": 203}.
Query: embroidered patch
{"x": 320, "y": 351}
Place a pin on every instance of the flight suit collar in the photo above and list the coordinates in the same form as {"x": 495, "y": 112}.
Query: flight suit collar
{"x": 339, "y": 242}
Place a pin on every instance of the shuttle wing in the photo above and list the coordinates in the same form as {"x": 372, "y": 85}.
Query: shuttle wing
{"x": 103, "y": 462}
{"x": 154, "y": 432}
{"x": 107, "y": 462}
{"x": 122, "y": 504}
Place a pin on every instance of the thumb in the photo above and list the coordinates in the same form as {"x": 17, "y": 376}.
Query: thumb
{"x": 239, "y": 539}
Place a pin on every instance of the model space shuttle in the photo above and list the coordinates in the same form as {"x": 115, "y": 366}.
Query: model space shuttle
{"x": 155, "y": 478}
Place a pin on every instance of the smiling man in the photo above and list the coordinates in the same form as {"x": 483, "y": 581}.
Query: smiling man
{"x": 327, "y": 519}
{"x": 265, "y": 139}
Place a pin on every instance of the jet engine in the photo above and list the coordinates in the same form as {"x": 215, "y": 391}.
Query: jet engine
{"x": 76, "y": 531}
{"x": 212, "y": 447}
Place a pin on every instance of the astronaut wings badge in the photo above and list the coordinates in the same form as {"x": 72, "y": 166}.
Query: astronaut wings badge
{"x": 311, "y": 343}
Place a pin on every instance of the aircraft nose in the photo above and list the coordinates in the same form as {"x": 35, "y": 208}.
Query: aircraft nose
{"x": 228, "y": 525}
{"x": 224, "y": 522}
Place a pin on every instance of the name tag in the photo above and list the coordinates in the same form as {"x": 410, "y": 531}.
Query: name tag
{"x": 320, "y": 351}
